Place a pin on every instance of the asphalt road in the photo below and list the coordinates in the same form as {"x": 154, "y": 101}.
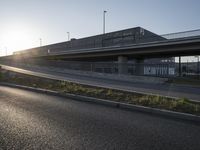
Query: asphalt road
{"x": 171, "y": 90}
{"x": 30, "y": 120}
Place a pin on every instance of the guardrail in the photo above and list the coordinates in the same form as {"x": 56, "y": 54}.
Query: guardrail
{"x": 185, "y": 34}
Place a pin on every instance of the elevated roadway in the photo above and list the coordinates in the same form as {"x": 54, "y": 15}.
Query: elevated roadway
{"x": 189, "y": 46}
{"x": 167, "y": 48}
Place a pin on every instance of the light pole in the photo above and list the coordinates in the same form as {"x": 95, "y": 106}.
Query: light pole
{"x": 104, "y": 21}
{"x": 40, "y": 42}
{"x": 68, "y": 33}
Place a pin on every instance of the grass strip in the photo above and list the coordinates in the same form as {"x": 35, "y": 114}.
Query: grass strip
{"x": 155, "y": 101}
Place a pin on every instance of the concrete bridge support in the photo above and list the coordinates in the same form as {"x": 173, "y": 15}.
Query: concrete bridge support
{"x": 140, "y": 66}
{"x": 122, "y": 65}
{"x": 180, "y": 67}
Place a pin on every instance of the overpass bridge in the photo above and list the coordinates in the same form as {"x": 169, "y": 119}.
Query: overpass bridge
{"x": 121, "y": 46}
{"x": 166, "y": 48}
{"x": 133, "y": 43}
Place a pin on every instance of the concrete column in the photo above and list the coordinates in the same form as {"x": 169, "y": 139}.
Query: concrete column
{"x": 122, "y": 65}
{"x": 140, "y": 66}
{"x": 180, "y": 67}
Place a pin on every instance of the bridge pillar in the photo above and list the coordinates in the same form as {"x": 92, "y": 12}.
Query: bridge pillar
{"x": 139, "y": 66}
{"x": 122, "y": 65}
{"x": 179, "y": 67}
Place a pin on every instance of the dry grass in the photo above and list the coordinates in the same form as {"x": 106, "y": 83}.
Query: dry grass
{"x": 154, "y": 101}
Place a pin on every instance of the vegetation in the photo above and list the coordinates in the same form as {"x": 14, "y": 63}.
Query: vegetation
{"x": 0, "y": 73}
{"x": 0, "y": 76}
{"x": 154, "y": 101}
{"x": 193, "y": 81}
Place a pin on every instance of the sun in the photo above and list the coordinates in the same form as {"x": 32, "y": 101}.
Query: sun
{"x": 15, "y": 39}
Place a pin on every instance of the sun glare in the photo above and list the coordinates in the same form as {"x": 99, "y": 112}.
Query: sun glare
{"x": 15, "y": 39}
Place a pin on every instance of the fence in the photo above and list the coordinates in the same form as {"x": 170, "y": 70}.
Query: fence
{"x": 185, "y": 34}
{"x": 190, "y": 69}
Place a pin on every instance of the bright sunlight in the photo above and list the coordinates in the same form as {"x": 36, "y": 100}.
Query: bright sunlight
{"x": 14, "y": 39}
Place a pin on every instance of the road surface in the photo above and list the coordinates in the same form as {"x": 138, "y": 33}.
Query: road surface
{"x": 170, "y": 90}
{"x": 30, "y": 120}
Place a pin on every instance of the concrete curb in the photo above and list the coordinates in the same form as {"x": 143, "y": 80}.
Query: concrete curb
{"x": 154, "y": 111}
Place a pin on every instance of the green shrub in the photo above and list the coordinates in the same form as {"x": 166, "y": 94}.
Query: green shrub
{"x": 186, "y": 105}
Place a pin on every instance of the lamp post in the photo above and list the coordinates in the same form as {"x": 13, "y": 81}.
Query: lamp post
{"x": 40, "y": 42}
{"x": 104, "y": 21}
{"x": 68, "y": 33}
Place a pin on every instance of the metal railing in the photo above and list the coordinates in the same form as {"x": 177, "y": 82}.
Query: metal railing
{"x": 179, "y": 35}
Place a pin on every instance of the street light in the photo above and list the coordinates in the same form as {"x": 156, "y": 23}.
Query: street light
{"x": 104, "y": 21}
{"x": 40, "y": 42}
{"x": 68, "y": 33}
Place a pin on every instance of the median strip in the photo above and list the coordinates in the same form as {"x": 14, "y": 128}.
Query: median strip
{"x": 122, "y": 99}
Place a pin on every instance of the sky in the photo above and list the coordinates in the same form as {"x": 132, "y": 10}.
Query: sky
{"x": 24, "y": 22}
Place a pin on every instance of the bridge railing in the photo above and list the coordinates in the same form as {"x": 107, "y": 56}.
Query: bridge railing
{"x": 185, "y": 34}
{"x": 126, "y": 40}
